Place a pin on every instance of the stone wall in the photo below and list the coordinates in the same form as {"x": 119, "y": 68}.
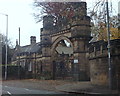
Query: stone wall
{"x": 98, "y": 59}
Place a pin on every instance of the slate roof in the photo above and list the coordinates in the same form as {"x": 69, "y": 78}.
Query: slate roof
{"x": 30, "y": 48}
{"x": 33, "y": 48}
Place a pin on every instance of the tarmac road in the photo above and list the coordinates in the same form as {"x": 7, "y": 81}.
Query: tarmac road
{"x": 11, "y": 91}
{"x": 52, "y": 88}
{"x": 15, "y": 90}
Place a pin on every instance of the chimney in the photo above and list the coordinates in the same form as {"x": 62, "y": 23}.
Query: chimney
{"x": 16, "y": 42}
{"x": 33, "y": 39}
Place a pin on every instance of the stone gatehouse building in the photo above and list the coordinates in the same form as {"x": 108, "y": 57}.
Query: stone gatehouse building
{"x": 64, "y": 51}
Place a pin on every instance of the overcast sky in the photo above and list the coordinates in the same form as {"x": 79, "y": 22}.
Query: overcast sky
{"x": 20, "y": 15}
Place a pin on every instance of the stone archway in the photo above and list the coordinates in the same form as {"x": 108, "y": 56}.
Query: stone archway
{"x": 76, "y": 32}
{"x": 55, "y": 42}
{"x": 62, "y": 53}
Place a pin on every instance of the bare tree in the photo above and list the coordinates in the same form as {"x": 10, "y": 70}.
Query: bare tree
{"x": 3, "y": 47}
{"x": 66, "y": 11}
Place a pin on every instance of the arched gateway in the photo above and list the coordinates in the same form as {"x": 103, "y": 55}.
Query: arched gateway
{"x": 64, "y": 48}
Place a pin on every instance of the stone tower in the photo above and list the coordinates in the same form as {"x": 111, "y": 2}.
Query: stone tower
{"x": 77, "y": 32}
{"x": 46, "y": 41}
{"x": 80, "y": 36}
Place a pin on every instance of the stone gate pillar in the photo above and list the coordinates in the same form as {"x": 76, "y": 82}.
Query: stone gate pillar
{"x": 46, "y": 44}
{"x": 80, "y": 61}
{"x": 80, "y": 36}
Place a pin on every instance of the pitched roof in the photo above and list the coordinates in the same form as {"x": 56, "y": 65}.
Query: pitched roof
{"x": 33, "y": 48}
{"x": 30, "y": 48}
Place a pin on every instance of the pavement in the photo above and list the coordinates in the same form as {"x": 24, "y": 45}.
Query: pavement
{"x": 87, "y": 88}
{"x": 74, "y": 87}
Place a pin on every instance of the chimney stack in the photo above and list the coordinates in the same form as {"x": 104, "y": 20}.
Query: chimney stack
{"x": 16, "y": 42}
{"x": 33, "y": 39}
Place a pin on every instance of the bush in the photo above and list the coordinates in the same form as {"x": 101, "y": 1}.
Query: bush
{"x": 44, "y": 76}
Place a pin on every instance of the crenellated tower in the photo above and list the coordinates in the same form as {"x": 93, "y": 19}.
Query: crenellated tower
{"x": 46, "y": 41}
{"x": 77, "y": 32}
{"x": 80, "y": 36}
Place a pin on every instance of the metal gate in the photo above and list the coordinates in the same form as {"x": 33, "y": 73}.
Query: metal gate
{"x": 62, "y": 70}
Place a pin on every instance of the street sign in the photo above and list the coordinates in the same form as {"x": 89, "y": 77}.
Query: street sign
{"x": 75, "y": 60}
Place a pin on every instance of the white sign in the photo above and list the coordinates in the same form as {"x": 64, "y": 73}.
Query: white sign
{"x": 75, "y": 60}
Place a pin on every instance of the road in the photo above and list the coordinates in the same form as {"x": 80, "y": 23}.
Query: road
{"x": 31, "y": 86}
{"x": 15, "y": 90}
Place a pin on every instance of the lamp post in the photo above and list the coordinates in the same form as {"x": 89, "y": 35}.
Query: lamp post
{"x": 19, "y": 57}
{"x": 6, "y": 44}
{"x": 109, "y": 49}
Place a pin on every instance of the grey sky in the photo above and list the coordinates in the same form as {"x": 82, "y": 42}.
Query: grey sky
{"x": 119, "y": 7}
{"x": 20, "y": 15}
